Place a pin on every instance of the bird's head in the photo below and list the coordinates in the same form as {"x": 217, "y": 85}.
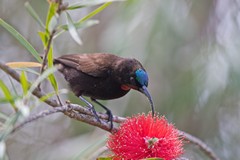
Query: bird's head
{"x": 135, "y": 77}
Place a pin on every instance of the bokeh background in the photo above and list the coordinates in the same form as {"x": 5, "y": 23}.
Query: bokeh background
{"x": 190, "y": 49}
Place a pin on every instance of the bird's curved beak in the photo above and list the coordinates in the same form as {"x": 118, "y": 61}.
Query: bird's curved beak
{"x": 144, "y": 90}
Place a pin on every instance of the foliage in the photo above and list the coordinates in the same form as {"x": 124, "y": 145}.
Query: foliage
{"x": 20, "y": 100}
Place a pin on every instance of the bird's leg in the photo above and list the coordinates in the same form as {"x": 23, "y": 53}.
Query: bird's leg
{"x": 91, "y": 107}
{"x": 108, "y": 111}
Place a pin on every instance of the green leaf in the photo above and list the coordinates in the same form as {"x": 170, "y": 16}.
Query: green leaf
{"x": 43, "y": 76}
{"x": 49, "y": 95}
{"x": 53, "y": 23}
{"x": 5, "y": 90}
{"x": 34, "y": 14}
{"x": 105, "y": 158}
{"x": 53, "y": 81}
{"x": 84, "y": 22}
{"x": 72, "y": 30}
{"x": 24, "y": 82}
{"x": 2, "y": 149}
{"x": 3, "y": 116}
{"x": 51, "y": 12}
{"x": 13, "y": 87}
{"x": 51, "y": 77}
{"x": 153, "y": 159}
{"x": 88, "y": 3}
{"x": 44, "y": 37}
{"x": 8, "y": 126}
{"x": 7, "y": 94}
{"x": 50, "y": 57}
{"x": 96, "y": 11}
{"x": 28, "y": 70}
{"x": 5, "y": 100}
{"x": 77, "y": 25}
{"x": 21, "y": 39}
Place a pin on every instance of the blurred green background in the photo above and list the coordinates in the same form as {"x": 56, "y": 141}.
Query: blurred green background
{"x": 189, "y": 48}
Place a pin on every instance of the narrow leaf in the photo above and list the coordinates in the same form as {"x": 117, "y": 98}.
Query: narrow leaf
{"x": 23, "y": 64}
{"x": 96, "y": 11}
{"x": 77, "y": 25}
{"x": 5, "y": 90}
{"x": 24, "y": 82}
{"x": 105, "y": 158}
{"x": 49, "y": 95}
{"x": 50, "y": 57}
{"x": 44, "y": 37}
{"x": 3, "y": 116}
{"x": 34, "y": 14}
{"x": 7, "y": 94}
{"x": 45, "y": 74}
{"x": 87, "y": 3}
{"x": 53, "y": 23}
{"x": 8, "y": 125}
{"x": 51, "y": 77}
{"x": 29, "y": 70}
{"x": 13, "y": 87}
{"x": 153, "y": 159}
{"x": 2, "y": 149}
{"x": 51, "y": 12}
{"x": 53, "y": 81}
{"x": 5, "y": 100}
{"x": 21, "y": 39}
{"x": 72, "y": 30}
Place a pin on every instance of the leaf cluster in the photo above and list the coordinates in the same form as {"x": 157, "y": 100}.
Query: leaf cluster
{"x": 21, "y": 101}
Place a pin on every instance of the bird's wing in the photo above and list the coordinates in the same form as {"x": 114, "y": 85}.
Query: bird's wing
{"x": 96, "y": 65}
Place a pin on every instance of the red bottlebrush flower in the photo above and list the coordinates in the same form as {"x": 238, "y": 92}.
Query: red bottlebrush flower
{"x": 144, "y": 136}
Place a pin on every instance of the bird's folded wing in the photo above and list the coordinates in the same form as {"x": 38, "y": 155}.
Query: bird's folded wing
{"x": 87, "y": 63}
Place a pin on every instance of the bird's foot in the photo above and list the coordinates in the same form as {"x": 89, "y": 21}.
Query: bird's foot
{"x": 92, "y": 109}
{"x": 110, "y": 118}
{"x": 110, "y": 115}
{"x": 108, "y": 112}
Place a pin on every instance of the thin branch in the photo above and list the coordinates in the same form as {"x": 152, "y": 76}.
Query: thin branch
{"x": 49, "y": 44}
{"x": 85, "y": 115}
{"x": 203, "y": 146}
{"x": 39, "y": 115}
{"x": 46, "y": 51}
{"x": 45, "y": 55}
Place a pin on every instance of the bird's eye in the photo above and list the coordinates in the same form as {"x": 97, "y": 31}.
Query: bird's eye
{"x": 132, "y": 80}
{"x": 141, "y": 77}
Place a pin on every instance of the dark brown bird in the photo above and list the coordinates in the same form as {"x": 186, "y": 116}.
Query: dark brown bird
{"x": 103, "y": 76}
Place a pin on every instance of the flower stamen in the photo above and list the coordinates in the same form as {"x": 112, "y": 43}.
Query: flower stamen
{"x": 150, "y": 142}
